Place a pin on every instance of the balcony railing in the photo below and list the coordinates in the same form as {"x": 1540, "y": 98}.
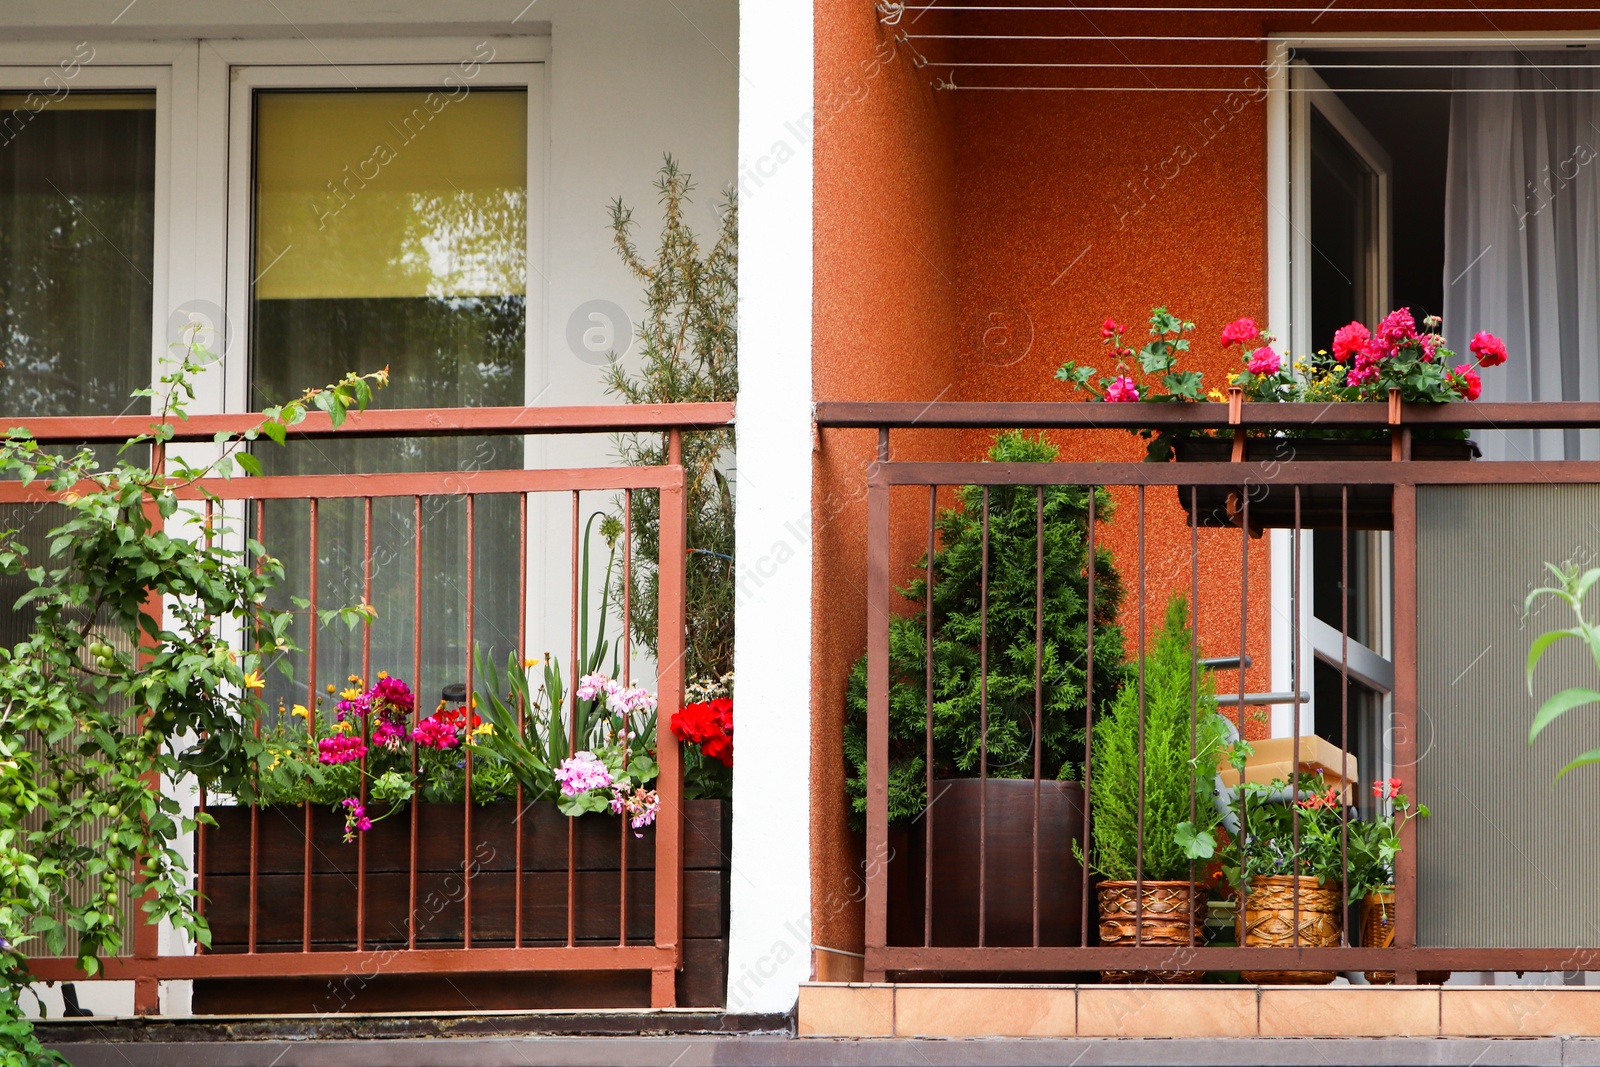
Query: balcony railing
{"x": 1210, "y": 563}
{"x": 312, "y": 903}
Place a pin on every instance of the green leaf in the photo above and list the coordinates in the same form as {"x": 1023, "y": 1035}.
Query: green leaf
{"x": 1183, "y": 383}
{"x": 275, "y": 430}
{"x": 1559, "y": 705}
{"x": 1540, "y": 644}
{"x": 1155, "y": 357}
{"x": 249, "y": 463}
{"x": 1584, "y": 760}
{"x": 1201, "y": 845}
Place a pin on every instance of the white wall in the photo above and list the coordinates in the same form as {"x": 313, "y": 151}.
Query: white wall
{"x": 769, "y": 946}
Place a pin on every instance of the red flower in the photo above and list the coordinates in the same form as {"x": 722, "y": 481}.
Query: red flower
{"x": 1398, "y": 327}
{"x": 1239, "y": 332}
{"x": 708, "y": 724}
{"x": 1349, "y": 340}
{"x": 1490, "y": 350}
{"x": 1466, "y": 382}
{"x": 1110, "y": 328}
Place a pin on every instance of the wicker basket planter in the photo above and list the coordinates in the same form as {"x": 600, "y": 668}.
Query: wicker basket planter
{"x": 1377, "y": 931}
{"x": 1151, "y": 913}
{"x": 1275, "y": 918}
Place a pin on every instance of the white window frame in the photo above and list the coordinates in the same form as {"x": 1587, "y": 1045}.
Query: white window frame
{"x": 246, "y": 79}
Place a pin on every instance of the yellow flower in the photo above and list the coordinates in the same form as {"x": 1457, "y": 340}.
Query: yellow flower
{"x": 344, "y": 727}
{"x": 330, "y": 687}
{"x": 1216, "y": 395}
{"x": 1233, "y": 379}
{"x": 354, "y": 679}
{"x": 350, "y": 694}
{"x": 300, "y": 712}
{"x": 382, "y": 675}
{"x": 531, "y": 663}
{"x": 252, "y": 680}
{"x": 483, "y": 728}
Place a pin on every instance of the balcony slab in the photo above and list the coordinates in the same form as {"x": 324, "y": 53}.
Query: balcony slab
{"x": 1198, "y": 1011}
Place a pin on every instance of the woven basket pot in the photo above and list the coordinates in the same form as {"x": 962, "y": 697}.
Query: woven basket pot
{"x": 1150, "y": 913}
{"x": 1270, "y": 919}
{"x": 1377, "y": 931}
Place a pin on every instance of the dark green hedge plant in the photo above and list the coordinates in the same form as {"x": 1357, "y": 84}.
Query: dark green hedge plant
{"x": 1178, "y": 712}
{"x": 957, "y": 622}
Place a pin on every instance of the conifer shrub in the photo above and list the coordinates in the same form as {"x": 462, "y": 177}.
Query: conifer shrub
{"x": 957, "y": 642}
{"x": 1175, "y": 711}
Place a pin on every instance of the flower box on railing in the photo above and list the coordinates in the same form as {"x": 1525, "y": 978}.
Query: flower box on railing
{"x": 383, "y": 882}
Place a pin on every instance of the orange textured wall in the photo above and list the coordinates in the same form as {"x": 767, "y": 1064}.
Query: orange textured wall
{"x": 884, "y": 328}
{"x": 966, "y": 243}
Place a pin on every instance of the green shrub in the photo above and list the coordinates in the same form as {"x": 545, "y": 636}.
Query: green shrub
{"x": 1172, "y": 779}
{"x": 957, "y": 567}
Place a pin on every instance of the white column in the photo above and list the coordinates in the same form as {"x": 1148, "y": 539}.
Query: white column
{"x": 769, "y": 944}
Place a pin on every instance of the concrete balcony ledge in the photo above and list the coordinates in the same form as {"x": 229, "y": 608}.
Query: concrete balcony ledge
{"x": 849, "y": 1010}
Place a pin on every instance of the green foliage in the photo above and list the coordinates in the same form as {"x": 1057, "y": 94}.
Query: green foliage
{"x": 689, "y": 353}
{"x": 102, "y": 702}
{"x": 1152, "y": 365}
{"x": 958, "y": 648}
{"x": 1180, "y": 712}
{"x": 1375, "y": 843}
{"x": 1572, "y": 587}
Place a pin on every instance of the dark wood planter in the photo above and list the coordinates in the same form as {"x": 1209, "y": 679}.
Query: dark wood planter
{"x": 1007, "y": 857}
{"x": 598, "y": 851}
{"x": 1371, "y": 507}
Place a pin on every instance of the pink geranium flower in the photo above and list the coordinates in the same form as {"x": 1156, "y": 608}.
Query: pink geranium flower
{"x": 432, "y": 732}
{"x": 1490, "y": 350}
{"x": 1350, "y": 340}
{"x": 1467, "y": 382}
{"x": 1240, "y": 332}
{"x": 1398, "y": 327}
{"x": 1264, "y": 361}
{"x": 340, "y": 748}
{"x": 1122, "y": 390}
{"x": 581, "y": 773}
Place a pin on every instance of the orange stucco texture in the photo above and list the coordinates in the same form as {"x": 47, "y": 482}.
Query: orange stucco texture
{"x": 966, "y": 243}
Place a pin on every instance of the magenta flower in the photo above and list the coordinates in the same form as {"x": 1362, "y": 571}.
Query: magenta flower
{"x": 1466, "y": 382}
{"x": 1264, "y": 361}
{"x": 432, "y": 733}
{"x": 355, "y": 818}
{"x": 341, "y": 748}
{"x": 1350, "y": 340}
{"x": 1122, "y": 390}
{"x": 1239, "y": 332}
{"x": 1490, "y": 350}
{"x": 1397, "y": 328}
{"x": 640, "y": 806}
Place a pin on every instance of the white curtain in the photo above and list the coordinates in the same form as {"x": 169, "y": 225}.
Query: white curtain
{"x": 1522, "y": 235}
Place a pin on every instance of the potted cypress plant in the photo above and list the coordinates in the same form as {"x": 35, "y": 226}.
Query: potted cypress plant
{"x": 1148, "y": 896}
{"x": 993, "y": 771}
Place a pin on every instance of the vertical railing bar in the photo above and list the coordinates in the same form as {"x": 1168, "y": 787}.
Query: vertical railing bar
{"x": 671, "y": 567}
{"x": 1406, "y": 713}
{"x": 416, "y": 714}
{"x": 627, "y": 680}
{"x": 575, "y": 672}
{"x": 522, "y": 709}
{"x": 311, "y": 724}
{"x": 366, "y": 676}
{"x": 1038, "y": 690}
{"x": 200, "y": 806}
{"x": 983, "y": 725}
{"x": 255, "y": 809}
{"x": 1138, "y": 861}
{"x": 1244, "y": 623}
{"x": 1294, "y": 675}
{"x": 1344, "y": 703}
{"x": 878, "y": 608}
{"x": 466, "y": 726}
{"x": 927, "y": 648}
{"x": 1088, "y": 721}
{"x": 1194, "y": 675}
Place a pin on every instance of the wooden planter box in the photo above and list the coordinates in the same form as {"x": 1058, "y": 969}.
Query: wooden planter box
{"x": 1267, "y": 471}
{"x": 597, "y": 854}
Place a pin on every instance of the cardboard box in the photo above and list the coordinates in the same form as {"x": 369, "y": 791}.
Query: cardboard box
{"x": 1273, "y": 760}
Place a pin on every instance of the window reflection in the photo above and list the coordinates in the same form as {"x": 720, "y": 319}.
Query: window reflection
{"x": 391, "y": 230}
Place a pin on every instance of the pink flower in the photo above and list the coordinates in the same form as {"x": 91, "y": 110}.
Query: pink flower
{"x": 432, "y": 732}
{"x": 1430, "y": 345}
{"x": 392, "y": 692}
{"x": 1239, "y": 332}
{"x": 1467, "y": 382}
{"x": 1110, "y": 328}
{"x": 1122, "y": 390}
{"x": 1349, "y": 340}
{"x": 581, "y": 773}
{"x": 1490, "y": 350}
{"x": 1264, "y": 361}
{"x": 1361, "y": 373}
{"x": 640, "y": 806}
{"x": 341, "y": 748}
{"x": 355, "y": 818}
{"x": 388, "y": 735}
{"x": 1398, "y": 327}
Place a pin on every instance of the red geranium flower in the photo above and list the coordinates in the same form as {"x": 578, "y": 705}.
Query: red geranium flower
{"x": 1490, "y": 350}
{"x": 1240, "y": 332}
{"x": 1349, "y": 341}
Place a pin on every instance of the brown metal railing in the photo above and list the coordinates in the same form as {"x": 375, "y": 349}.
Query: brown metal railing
{"x": 661, "y": 954}
{"x": 1294, "y": 480}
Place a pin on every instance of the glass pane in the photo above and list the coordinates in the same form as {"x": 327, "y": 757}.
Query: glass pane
{"x": 391, "y": 230}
